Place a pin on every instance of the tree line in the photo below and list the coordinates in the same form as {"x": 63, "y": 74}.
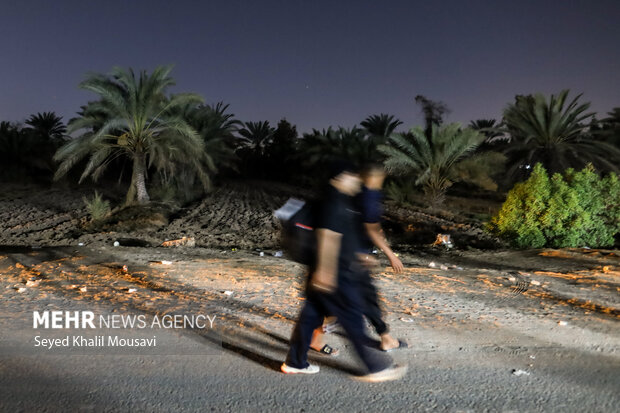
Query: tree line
{"x": 142, "y": 135}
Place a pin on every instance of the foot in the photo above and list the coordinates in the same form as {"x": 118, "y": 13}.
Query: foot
{"x": 330, "y": 327}
{"x": 311, "y": 369}
{"x": 393, "y": 372}
{"x": 390, "y": 343}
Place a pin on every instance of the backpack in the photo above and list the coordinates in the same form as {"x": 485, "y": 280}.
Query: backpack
{"x": 298, "y": 219}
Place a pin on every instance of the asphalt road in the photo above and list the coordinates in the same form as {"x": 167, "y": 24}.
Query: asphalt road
{"x": 521, "y": 363}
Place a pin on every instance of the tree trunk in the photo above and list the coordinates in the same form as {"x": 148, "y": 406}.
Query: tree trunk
{"x": 435, "y": 190}
{"x": 137, "y": 189}
{"x": 436, "y": 197}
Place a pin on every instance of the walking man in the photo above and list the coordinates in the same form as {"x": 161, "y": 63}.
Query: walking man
{"x": 333, "y": 286}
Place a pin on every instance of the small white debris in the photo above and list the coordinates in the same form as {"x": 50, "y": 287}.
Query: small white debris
{"x": 132, "y": 290}
{"x": 262, "y": 254}
{"x": 443, "y": 239}
{"x": 125, "y": 269}
{"x": 406, "y": 320}
{"x": 21, "y": 289}
{"x": 32, "y": 283}
{"x": 534, "y": 282}
{"x": 532, "y": 357}
{"x": 229, "y": 293}
{"x": 513, "y": 279}
{"x": 520, "y": 373}
{"x": 83, "y": 289}
{"x": 443, "y": 267}
{"x": 277, "y": 254}
{"x": 116, "y": 243}
{"x": 562, "y": 323}
{"x": 432, "y": 264}
{"x": 166, "y": 262}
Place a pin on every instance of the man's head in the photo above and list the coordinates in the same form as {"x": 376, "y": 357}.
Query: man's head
{"x": 373, "y": 176}
{"x": 344, "y": 177}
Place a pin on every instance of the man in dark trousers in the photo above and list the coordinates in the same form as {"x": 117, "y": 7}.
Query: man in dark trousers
{"x": 333, "y": 286}
{"x": 370, "y": 205}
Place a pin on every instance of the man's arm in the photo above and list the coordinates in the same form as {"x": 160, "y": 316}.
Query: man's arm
{"x": 376, "y": 236}
{"x": 325, "y": 277}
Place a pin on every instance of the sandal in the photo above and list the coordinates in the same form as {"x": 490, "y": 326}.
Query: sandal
{"x": 327, "y": 350}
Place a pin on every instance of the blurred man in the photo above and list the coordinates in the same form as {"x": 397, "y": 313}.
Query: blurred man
{"x": 369, "y": 203}
{"x": 333, "y": 285}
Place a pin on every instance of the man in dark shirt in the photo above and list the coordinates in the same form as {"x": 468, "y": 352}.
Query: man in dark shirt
{"x": 369, "y": 202}
{"x": 333, "y": 287}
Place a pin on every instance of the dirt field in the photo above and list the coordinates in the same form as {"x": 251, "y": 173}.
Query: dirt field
{"x": 234, "y": 215}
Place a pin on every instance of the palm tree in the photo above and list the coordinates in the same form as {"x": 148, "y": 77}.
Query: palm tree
{"x": 256, "y": 138}
{"x": 135, "y": 119}
{"x": 433, "y": 159}
{"x": 554, "y": 133}
{"x": 485, "y": 167}
{"x": 610, "y": 128}
{"x": 320, "y": 147}
{"x": 488, "y": 127}
{"x": 14, "y": 146}
{"x": 29, "y": 150}
{"x": 282, "y": 151}
{"x": 47, "y": 125}
{"x": 217, "y": 128}
{"x": 381, "y": 126}
{"x": 493, "y": 132}
{"x": 45, "y": 133}
{"x": 433, "y": 112}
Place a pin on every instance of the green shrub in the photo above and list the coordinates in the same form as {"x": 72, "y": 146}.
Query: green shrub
{"x": 97, "y": 207}
{"x": 574, "y": 210}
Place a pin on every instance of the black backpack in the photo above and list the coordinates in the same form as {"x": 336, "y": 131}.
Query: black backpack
{"x": 298, "y": 219}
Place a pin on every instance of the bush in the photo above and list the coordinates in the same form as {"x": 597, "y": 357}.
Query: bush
{"x": 97, "y": 207}
{"x": 574, "y": 210}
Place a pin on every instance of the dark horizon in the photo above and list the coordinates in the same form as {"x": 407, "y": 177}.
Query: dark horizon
{"x": 317, "y": 64}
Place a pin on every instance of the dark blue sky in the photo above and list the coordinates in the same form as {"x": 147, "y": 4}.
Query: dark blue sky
{"x": 317, "y": 63}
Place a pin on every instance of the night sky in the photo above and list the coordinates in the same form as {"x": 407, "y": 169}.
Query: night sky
{"x": 316, "y": 63}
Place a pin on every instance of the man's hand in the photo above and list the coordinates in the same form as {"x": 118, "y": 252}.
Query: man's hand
{"x": 325, "y": 277}
{"x": 375, "y": 233}
{"x": 324, "y": 282}
{"x": 396, "y": 263}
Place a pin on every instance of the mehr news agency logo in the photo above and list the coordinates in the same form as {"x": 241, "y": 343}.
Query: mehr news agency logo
{"x": 86, "y": 320}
